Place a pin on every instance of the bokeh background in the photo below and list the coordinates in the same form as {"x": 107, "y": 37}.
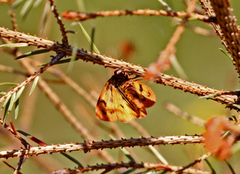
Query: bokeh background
{"x": 198, "y": 55}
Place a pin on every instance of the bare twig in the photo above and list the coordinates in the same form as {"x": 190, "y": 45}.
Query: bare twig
{"x": 95, "y": 145}
{"x": 79, "y": 16}
{"x": 205, "y": 156}
{"x": 174, "y": 109}
{"x": 148, "y": 166}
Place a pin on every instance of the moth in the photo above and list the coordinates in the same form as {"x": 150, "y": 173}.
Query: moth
{"x": 124, "y": 98}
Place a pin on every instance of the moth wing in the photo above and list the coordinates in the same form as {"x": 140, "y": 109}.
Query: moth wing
{"x": 112, "y": 106}
{"x": 138, "y": 106}
{"x": 126, "y": 110}
{"x": 133, "y": 98}
{"x": 146, "y": 95}
{"x": 106, "y": 104}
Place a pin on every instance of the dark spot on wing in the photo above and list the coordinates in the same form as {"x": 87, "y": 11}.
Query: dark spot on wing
{"x": 108, "y": 87}
{"x": 104, "y": 112}
{"x": 103, "y": 102}
{"x": 111, "y": 111}
{"x": 122, "y": 106}
{"x": 111, "y": 98}
{"x": 140, "y": 88}
{"x": 143, "y": 99}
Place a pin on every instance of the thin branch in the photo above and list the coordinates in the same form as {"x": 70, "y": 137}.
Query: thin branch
{"x": 174, "y": 109}
{"x": 79, "y": 16}
{"x": 203, "y": 157}
{"x": 229, "y": 29}
{"x": 59, "y": 21}
{"x": 148, "y": 166}
{"x": 9, "y": 69}
{"x": 96, "y": 145}
{"x": 163, "y": 61}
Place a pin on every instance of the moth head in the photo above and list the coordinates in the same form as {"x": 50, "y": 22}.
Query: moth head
{"x": 120, "y": 74}
{"x": 118, "y": 71}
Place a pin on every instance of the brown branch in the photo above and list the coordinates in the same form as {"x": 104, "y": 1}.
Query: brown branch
{"x": 79, "y": 16}
{"x": 96, "y": 145}
{"x": 163, "y": 61}
{"x": 209, "y": 11}
{"x": 148, "y": 166}
{"x": 203, "y": 157}
{"x": 9, "y": 69}
{"x": 13, "y": 19}
{"x": 174, "y": 109}
{"x": 229, "y": 29}
{"x": 164, "y": 57}
{"x": 59, "y": 21}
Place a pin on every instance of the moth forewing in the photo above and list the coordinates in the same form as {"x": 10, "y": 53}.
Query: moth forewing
{"x": 132, "y": 106}
{"x": 121, "y": 107}
{"x": 104, "y": 108}
{"x": 146, "y": 94}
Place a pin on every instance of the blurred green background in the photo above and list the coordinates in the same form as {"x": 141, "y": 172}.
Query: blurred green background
{"x": 198, "y": 55}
